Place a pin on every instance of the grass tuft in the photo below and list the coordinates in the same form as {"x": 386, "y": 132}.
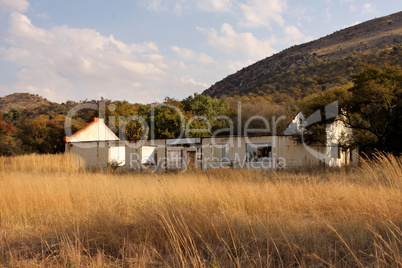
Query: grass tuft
{"x": 53, "y": 215}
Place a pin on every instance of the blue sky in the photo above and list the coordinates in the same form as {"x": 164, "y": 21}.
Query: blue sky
{"x": 145, "y": 50}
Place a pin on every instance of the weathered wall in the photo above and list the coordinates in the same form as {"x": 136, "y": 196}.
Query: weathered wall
{"x": 296, "y": 125}
{"x": 296, "y": 155}
{"x": 94, "y": 153}
{"x": 133, "y": 155}
{"x": 337, "y": 133}
{"x": 285, "y": 153}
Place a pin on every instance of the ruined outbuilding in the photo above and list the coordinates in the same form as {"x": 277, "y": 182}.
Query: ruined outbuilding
{"x": 100, "y": 147}
{"x": 97, "y": 145}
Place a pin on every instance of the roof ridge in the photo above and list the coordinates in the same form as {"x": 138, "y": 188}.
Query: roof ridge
{"x": 67, "y": 139}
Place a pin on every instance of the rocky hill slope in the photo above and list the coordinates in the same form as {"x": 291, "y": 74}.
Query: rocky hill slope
{"x": 320, "y": 64}
{"x": 22, "y": 101}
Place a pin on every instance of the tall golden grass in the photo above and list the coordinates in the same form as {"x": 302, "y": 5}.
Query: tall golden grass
{"x": 224, "y": 218}
{"x": 42, "y": 163}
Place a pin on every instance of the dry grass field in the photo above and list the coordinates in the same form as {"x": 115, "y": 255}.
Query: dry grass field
{"x": 53, "y": 213}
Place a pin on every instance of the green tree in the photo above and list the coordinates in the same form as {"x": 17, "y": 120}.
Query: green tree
{"x": 371, "y": 106}
{"x": 204, "y": 108}
{"x": 135, "y": 131}
{"x": 55, "y": 134}
{"x": 168, "y": 122}
{"x": 42, "y": 134}
{"x": 119, "y": 112}
{"x": 33, "y": 133}
{"x": 374, "y": 108}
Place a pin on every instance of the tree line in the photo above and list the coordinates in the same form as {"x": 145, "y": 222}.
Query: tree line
{"x": 371, "y": 105}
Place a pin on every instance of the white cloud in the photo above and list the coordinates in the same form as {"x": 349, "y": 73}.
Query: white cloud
{"x": 234, "y": 66}
{"x": 62, "y": 62}
{"x": 353, "y": 8}
{"x": 43, "y": 16}
{"x": 248, "y": 13}
{"x": 191, "y": 81}
{"x": 328, "y": 14}
{"x": 155, "y": 5}
{"x": 239, "y": 44}
{"x": 189, "y": 55}
{"x": 13, "y": 5}
{"x": 293, "y": 33}
{"x": 258, "y": 13}
{"x": 183, "y": 52}
{"x": 301, "y": 13}
{"x": 215, "y": 5}
{"x": 368, "y": 8}
{"x": 177, "y": 6}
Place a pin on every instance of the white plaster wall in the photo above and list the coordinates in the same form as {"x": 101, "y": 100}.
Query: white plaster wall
{"x": 133, "y": 154}
{"x": 285, "y": 153}
{"x": 299, "y": 155}
{"x": 337, "y": 132}
{"x": 95, "y": 154}
{"x": 295, "y": 126}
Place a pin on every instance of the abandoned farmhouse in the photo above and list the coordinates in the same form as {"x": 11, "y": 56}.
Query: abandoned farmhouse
{"x": 99, "y": 147}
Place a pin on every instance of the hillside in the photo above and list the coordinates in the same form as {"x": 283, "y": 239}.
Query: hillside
{"x": 318, "y": 65}
{"x": 22, "y": 101}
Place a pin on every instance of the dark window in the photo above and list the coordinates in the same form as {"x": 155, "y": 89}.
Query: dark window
{"x": 259, "y": 152}
{"x": 264, "y": 151}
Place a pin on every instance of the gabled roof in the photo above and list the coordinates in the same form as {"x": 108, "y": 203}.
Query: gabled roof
{"x": 96, "y": 131}
{"x": 295, "y": 125}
